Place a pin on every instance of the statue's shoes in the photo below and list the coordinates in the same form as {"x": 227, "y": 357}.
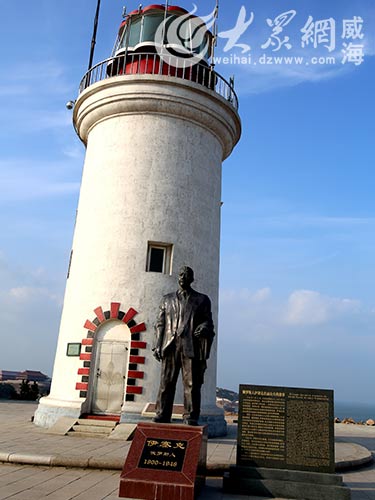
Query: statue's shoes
{"x": 161, "y": 420}
{"x": 190, "y": 421}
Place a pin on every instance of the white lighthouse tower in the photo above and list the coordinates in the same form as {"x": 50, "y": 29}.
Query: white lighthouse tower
{"x": 156, "y": 131}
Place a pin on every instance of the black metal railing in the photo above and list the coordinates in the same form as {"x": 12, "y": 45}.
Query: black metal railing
{"x": 152, "y": 64}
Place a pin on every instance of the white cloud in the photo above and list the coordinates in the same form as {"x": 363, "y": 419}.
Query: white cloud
{"x": 10, "y": 90}
{"x": 244, "y": 295}
{"x": 45, "y": 120}
{"x": 30, "y": 308}
{"x": 27, "y": 180}
{"x": 37, "y": 70}
{"x": 253, "y": 315}
{"x": 30, "y": 293}
{"x": 75, "y": 152}
{"x": 307, "y": 307}
{"x": 261, "y": 295}
{"x": 275, "y": 213}
{"x": 260, "y": 79}
{"x": 259, "y": 316}
{"x": 319, "y": 221}
{"x": 48, "y": 76}
{"x": 42, "y": 89}
{"x": 29, "y": 120}
{"x": 325, "y": 340}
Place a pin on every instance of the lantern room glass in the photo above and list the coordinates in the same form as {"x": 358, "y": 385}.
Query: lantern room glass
{"x": 143, "y": 28}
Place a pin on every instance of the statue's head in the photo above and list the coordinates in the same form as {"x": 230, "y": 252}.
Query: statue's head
{"x": 185, "y": 277}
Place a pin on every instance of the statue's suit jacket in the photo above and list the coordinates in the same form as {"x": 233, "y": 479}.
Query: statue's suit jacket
{"x": 197, "y": 314}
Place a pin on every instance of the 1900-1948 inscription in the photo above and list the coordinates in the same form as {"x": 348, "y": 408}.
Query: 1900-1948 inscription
{"x": 286, "y": 428}
{"x": 163, "y": 454}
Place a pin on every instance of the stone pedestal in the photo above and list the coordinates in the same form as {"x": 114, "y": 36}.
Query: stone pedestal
{"x": 165, "y": 461}
{"x": 272, "y": 483}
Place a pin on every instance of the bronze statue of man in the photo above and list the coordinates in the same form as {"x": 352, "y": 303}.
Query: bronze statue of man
{"x": 184, "y": 333}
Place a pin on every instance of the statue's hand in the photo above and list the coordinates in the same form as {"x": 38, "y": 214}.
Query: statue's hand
{"x": 157, "y": 353}
{"x": 199, "y": 331}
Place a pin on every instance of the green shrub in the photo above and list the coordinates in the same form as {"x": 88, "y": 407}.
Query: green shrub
{"x": 7, "y": 391}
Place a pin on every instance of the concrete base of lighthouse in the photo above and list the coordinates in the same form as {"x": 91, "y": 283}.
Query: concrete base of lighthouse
{"x": 49, "y": 411}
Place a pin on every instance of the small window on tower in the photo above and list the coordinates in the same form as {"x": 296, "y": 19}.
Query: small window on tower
{"x": 159, "y": 258}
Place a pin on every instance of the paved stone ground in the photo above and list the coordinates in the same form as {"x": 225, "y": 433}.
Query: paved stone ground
{"x": 29, "y": 482}
{"x": 18, "y": 435}
{"x": 25, "y": 482}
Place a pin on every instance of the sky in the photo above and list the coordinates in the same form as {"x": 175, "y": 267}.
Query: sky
{"x": 297, "y": 279}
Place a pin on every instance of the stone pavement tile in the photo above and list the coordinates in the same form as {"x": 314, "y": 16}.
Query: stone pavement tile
{"x": 11, "y": 468}
{"x": 220, "y": 453}
{"x": 84, "y": 486}
{"x": 23, "y": 485}
{"x": 51, "y": 485}
{"x": 54, "y": 481}
{"x": 108, "y": 449}
{"x": 87, "y": 451}
{"x": 73, "y": 445}
{"x": 108, "y": 485}
{"x": 10, "y": 474}
{"x": 233, "y": 456}
{"x": 120, "y": 453}
{"x": 211, "y": 448}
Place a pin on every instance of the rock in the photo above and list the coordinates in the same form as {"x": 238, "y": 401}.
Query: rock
{"x": 370, "y": 421}
{"x": 348, "y": 421}
{"x": 337, "y": 420}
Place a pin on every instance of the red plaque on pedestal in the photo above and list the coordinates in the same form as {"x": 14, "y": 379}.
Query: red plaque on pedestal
{"x": 165, "y": 461}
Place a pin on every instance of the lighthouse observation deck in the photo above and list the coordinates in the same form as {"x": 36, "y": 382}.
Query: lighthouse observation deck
{"x": 165, "y": 41}
{"x": 151, "y": 64}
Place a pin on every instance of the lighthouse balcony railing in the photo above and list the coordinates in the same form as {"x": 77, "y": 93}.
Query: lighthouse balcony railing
{"x": 152, "y": 64}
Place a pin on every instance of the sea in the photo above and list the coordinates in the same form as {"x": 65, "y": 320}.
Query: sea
{"x": 357, "y": 411}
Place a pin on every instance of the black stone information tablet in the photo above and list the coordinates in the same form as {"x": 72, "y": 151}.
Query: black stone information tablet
{"x": 286, "y": 428}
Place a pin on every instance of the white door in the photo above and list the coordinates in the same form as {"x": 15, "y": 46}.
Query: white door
{"x": 110, "y": 377}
